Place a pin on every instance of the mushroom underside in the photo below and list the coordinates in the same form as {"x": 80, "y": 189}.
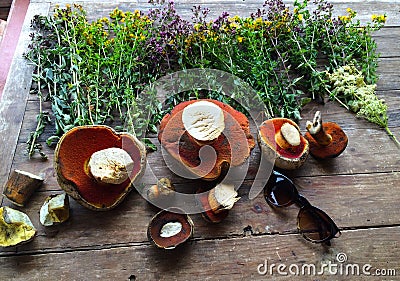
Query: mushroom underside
{"x": 287, "y": 157}
{"x": 337, "y": 145}
{"x": 71, "y": 162}
{"x": 167, "y": 229}
{"x": 204, "y": 159}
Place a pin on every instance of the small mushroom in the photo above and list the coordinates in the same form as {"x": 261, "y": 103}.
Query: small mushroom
{"x": 206, "y": 137}
{"x": 20, "y": 187}
{"x": 217, "y": 202}
{"x": 163, "y": 189}
{"x": 169, "y": 229}
{"x": 281, "y": 141}
{"x": 97, "y": 166}
{"x": 15, "y": 227}
{"x": 55, "y": 210}
{"x": 327, "y": 140}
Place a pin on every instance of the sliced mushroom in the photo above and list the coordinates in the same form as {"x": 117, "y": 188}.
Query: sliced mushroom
{"x": 327, "y": 140}
{"x": 211, "y": 148}
{"x": 55, "y": 210}
{"x": 280, "y": 139}
{"x": 168, "y": 229}
{"x": 20, "y": 187}
{"x": 15, "y": 227}
{"x": 217, "y": 202}
{"x": 74, "y": 174}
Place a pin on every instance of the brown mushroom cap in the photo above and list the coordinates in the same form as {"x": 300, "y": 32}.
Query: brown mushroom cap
{"x": 289, "y": 157}
{"x": 72, "y": 154}
{"x": 236, "y": 138}
{"x": 160, "y": 220}
{"x": 337, "y": 145}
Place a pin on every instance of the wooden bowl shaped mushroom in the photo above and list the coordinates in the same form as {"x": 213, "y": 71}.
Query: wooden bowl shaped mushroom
{"x": 96, "y": 165}
{"x": 281, "y": 141}
{"x": 197, "y": 124}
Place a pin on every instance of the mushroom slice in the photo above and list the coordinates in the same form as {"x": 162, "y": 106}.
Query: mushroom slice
{"x": 55, "y": 210}
{"x": 206, "y": 156}
{"x": 168, "y": 229}
{"x": 280, "y": 139}
{"x": 203, "y": 120}
{"x": 20, "y": 186}
{"x": 15, "y": 227}
{"x": 327, "y": 140}
{"x": 222, "y": 197}
{"x": 217, "y": 202}
{"x": 75, "y": 175}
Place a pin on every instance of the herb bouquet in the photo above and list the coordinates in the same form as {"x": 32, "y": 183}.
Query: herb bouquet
{"x": 94, "y": 72}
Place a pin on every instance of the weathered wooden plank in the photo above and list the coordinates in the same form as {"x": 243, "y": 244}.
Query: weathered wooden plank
{"x": 353, "y": 201}
{"x": 357, "y": 189}
{"x": 13, "y": 102}
{"x": 388, "y": 41}
{"x": 226, "y": 259}
{"x": 5, "y": 6}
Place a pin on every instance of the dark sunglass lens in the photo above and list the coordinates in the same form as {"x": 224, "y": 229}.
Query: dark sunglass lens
{"x": 315, "y": 225}
{"x": 279, "y": 190}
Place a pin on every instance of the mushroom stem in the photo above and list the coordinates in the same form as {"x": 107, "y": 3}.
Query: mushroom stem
{"x": 112, "y": 165}
{"x": 287, "y": 136}
{"x": 316, "y": 130}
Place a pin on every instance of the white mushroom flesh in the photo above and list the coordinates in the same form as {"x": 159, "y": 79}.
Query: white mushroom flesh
{"x": 203, "y": 120}
{"x": 315, "y": 126}
{"x": 170, "y": 229}
{"x": 48, "y": 211}
{"x": 226, "y": 195}
{"x": 291, "y": 134}
{"x": 111, "y": 165}
{"x": 15, "y": 227}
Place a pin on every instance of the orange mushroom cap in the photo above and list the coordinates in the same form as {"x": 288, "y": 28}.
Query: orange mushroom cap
{"x": 233, "y": 146}
{"x": 71, "y": 164}
{"x": 289, "y": 157}
{"x": 337, "y": 145}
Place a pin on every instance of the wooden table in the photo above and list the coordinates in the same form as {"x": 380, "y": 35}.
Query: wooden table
{"x": 359, "y": 189}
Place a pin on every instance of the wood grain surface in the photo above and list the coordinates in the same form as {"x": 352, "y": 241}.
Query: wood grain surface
{"x": 360, "y": 190}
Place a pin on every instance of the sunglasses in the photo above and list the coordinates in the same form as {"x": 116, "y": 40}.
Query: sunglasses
{"x": 314, "y": 224}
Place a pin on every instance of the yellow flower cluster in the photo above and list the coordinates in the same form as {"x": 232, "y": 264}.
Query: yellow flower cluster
{"x": 351, "y": 14}
{"x": 378, "y": 18}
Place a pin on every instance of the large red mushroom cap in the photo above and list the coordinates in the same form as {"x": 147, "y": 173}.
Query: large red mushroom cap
{"x": 280, "y": 139}
{"x": 231, "y": 145}
{"x": 327, "y": 139}
{"x": 72, "y": 156}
